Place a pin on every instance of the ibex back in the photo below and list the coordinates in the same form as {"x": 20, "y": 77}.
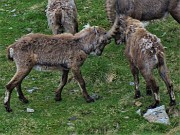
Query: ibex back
{"x": 62, "y": 16}
{"x": 143, "y": 10}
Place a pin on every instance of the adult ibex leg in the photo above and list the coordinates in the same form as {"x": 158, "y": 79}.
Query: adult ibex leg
{"x": 175, "y": 12}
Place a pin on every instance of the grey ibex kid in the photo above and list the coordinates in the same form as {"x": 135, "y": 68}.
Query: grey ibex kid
{"x": 62, "y": 16}
{"x": 143, "y": 10}
{"x": 145, "y": 52}
{"x": 63, "y": 51}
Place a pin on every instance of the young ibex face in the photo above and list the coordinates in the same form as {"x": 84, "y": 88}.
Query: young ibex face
{"x": 97, "y": 37}
{"x": 102, "y": 40}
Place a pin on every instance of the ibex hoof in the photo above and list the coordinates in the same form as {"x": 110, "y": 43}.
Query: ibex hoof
{"x": 58, "y": 98}
{"x": 172, "y": 103}
{"x": 89, "y": 100}
{"x": 8, "y": 109}
{"x": 153, "y": 106}
{"x": 149, "y": 92}
{"x": 24, "y": 100}
{"x": 137, "y": 95}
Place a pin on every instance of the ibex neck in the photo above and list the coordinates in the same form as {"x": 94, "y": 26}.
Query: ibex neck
{"x": 87, "y": 41}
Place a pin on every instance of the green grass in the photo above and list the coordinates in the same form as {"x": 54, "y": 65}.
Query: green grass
{"x": 108, "y": 76}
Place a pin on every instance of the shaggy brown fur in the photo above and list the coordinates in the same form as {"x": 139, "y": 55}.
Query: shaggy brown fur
{"x": 143, "y": 10}
{"x": 63, "y": 52}
{"x": 62, "y": 16}
{"x": 145, "y": 52}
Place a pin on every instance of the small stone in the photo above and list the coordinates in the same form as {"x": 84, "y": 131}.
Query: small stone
{"x": 86, "y": 26}
{"x": 5, "y": 5}
{"x": 138, "y": 104}
{"x": 29, "y": 29}
{"x": 95, "y": 96}
{"x": 71, "y": 128}
{"x": 131, "y": 83}
{"x": 70, "y": 124}
{"x": 32, "y": 90}
{"x": 138, "y": 111}
{"x": 14, "y": 10}
{"x": 73, "y": 118}
{"x": 126, "y": 117}
{"x": 73, "y": 91}
{"x": 123, "y": 111}
{"x": 157, "y": 115}
{"x": 30, "y": 110}
{"x": 14, "y": 15}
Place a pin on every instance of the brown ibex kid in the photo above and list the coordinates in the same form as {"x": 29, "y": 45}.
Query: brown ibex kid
{"x": 62, "y": 16}
{"x": 143, "y": 10}
{"x": 63, "y": 51}
{"x": 145, "y": 52}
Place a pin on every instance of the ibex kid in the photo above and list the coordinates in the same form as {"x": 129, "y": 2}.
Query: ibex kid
{"x": 63, "y": 51}
{"x": 145, "y": 53}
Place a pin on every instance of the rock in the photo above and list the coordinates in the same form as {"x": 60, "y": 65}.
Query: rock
{"x": 74, "y": 91}
{"x": 14, "y": 10}
{"x": 138, "y": 111}
{"x": 86, "y": 26}
{"x": 29, "y": 110}
{"x": 157, "y": 115}
{"x": 95, "y": 96}
{"x": 126, "y": 117}
{"x": 14, "y": 15}
{"x": 32, "y": 90}
{"x": 131, "y": 83}
{"x": 29, "y": 29}
{"x": 73, "y": 118}
{"x": 138, "y": 104}
{"x": 70, "y": 124}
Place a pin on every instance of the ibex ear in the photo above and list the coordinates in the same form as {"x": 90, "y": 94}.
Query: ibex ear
{"x": 132, "y": 28}
{"x": 95, "y": 30}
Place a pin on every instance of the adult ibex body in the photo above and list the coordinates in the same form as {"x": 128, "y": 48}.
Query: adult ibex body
{"x": 62, "y": 16}
{"x": 63, "y": 52}
{"x": 145, "y": 53}
{"x": 143, "y": 10}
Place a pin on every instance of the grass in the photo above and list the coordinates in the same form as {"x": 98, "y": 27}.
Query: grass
{"x": 108, "y": 76}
